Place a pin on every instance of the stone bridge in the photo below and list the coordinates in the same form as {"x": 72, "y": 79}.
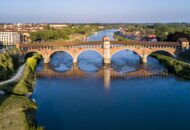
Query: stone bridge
{"x": 105, "y": 48}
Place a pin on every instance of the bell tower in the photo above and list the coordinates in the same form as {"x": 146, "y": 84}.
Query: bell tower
{"x": 106, "y": 41}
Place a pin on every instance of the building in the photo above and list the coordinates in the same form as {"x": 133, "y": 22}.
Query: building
{"x": 9, "y": 38}
{"x": 58, "y": 26}
{"x": 25, "y": 37}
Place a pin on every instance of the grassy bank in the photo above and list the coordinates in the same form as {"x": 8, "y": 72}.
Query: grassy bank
{"x": 17, "y": 112}
{"x": 180, "y": 68}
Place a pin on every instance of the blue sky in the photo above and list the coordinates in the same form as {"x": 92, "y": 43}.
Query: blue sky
{"x": 95, "y": 11}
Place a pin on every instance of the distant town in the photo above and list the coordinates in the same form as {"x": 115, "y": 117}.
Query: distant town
{"x": 10, "y": 34}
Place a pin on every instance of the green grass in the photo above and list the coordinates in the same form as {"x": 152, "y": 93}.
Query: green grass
{"x": 120, "y": 38}
{"x": 180, "y": 68}
{"x": 12, "y": 112}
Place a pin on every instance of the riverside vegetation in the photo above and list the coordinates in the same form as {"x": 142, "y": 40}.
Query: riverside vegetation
{"x": 16, "y": 110}
{"x": 178, "y": 67}
{"x": 8, "y": 64}
{"x": 63, "y": 34}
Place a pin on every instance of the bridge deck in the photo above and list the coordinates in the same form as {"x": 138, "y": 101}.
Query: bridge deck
{"x": 57, "y": 44}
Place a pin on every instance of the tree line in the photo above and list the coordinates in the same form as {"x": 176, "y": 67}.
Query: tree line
{"x": 63, "y": 34}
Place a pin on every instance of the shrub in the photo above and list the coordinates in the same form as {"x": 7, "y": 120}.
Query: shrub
{"x": 175, "y": 66}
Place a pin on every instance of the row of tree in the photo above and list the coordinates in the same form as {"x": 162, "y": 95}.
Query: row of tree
{"x": 63, "y": 34}
{"x": 164, "y": 32}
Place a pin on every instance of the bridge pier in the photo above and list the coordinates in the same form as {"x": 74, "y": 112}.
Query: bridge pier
{"x": 46, "y": 60}
{"x": 143, "y": 59}
{"x": 107, "y": 61}
{"x": 75, "y": 60}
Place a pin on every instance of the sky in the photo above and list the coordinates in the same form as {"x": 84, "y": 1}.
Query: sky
{"x": 94, "y": 11}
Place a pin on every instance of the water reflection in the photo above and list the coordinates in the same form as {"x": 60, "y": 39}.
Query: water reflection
{"x": 106, "y": 73}
{"x": 61, "y": 61}
{"x": 125, "y": 61}
{"x": 90, "y": 61}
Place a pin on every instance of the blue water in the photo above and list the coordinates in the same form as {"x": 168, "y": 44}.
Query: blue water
{"x": 101, "y": 34}
{"x": 84, "y": 104}
{"x": 156, "y": 103}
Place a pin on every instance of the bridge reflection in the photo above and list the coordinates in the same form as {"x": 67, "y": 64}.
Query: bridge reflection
{"x": 106, "y": 73}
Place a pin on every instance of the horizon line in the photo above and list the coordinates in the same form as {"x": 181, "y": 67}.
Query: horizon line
{"x": 95, "y": 22}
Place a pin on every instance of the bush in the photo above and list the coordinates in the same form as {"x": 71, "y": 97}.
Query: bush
{"x": 175, "y": 66}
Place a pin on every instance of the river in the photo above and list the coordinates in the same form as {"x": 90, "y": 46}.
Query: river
{"x": 88, "y": 99}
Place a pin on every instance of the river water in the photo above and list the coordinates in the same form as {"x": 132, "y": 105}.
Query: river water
{"x": 122, "y": 96}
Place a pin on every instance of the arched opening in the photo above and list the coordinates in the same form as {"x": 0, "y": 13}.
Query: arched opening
{"x": 28, "y": 55}
{"x": 125, "y": 61}
{"x": 166, "y": 53}
{"x": 90, "y": 61}
{"x": 61, "y": 61}
{"x": 153, "y": 64}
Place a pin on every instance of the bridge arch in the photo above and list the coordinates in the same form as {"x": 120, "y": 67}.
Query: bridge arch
{"x": 123, "y": 49}
{"x": 100, "y": 52}
{"x": 60, "y": 61}
{"x": 57, "y": 51}
{"x": 171, "y": 53}
{"x": 29, "y": 54}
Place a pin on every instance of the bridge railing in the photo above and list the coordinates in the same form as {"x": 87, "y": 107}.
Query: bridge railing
{"x": 67, "y": 44}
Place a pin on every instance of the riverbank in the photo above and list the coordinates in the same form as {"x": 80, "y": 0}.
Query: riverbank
{"x": 16, "y": 77}
{"x": 16, "y": 110}
{"x": 180, "y": 68}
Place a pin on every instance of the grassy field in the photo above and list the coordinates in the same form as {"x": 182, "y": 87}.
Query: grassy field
{"x": 13, "y": 111}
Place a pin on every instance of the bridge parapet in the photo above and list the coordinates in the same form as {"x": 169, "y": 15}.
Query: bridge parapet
{"x": 112, "y": 43}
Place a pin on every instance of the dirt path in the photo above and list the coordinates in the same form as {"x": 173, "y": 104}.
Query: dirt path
{"x": 15, "y": 77}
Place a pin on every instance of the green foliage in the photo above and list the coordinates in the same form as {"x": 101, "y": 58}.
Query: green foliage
{"x": 26, "y": 117}
{"x": 175, "y": 66}
{"x": 9, "y": 63}
{"x": 164, "y": 32}
{"x": 63, "y": 34}
{"x": 176, "y": 35}
{"x": 120, "y": 38}
{"x": 185, "y": 56}
{"x": 25, "y": 85}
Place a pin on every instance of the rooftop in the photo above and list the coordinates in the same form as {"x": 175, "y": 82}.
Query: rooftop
{"x": 183, "y": 40}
